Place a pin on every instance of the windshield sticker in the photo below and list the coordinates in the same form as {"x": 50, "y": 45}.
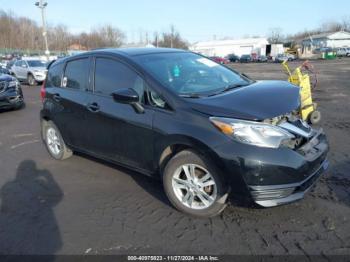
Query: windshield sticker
{"x": 176, "y": 71}
{"x": 207, "y": 62}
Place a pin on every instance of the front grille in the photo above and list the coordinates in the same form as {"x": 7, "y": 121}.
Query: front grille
{"x": 3, "y": 85}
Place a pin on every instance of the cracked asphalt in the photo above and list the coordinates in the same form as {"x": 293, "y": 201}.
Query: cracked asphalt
{"x": 85, "y": 206}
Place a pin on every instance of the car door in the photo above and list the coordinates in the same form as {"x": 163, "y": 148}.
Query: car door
{"x": 69, "y": 100}
{"x": 17, "y": 69}
{"x": 116, "y": 131}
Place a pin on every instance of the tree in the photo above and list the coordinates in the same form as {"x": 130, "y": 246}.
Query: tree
{"x": 170, "y": 39}
{"x": 25, "y": 34}
{"x": 275, "y": 36}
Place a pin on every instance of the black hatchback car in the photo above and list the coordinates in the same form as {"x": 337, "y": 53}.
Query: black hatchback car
{"x": 204, "y": 129}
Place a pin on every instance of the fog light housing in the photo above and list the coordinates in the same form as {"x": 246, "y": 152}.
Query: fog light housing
{"x": 267, "y": 194}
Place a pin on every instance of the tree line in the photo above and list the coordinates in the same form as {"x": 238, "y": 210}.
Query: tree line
{"x": 21, "y": 33}
{"x": 276, "y": 35}
{"x": 24, "y": 33}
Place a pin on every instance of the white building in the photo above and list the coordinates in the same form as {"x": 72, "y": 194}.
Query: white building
{"x": 332, "y": 40}
{"x": 224, "y": 47}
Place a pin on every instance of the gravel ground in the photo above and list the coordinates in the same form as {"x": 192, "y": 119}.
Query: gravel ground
{"x": 85, "y": 206}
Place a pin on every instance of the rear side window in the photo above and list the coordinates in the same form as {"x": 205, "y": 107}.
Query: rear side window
{"x": 76, "y": 74}
{"x": 111, "y": 75}
{"x": 54, "y": 76}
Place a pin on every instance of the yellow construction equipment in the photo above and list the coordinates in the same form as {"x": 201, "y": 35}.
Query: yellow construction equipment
{"x": 301, "y": 78}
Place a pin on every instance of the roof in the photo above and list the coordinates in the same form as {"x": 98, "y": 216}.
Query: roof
{"x": 330, "y": 35}
{"x": 138, "y": 45}
{"x": 135, "y": 51}
{"x": 126, "y": 52}
{"x": 244, "y": 41}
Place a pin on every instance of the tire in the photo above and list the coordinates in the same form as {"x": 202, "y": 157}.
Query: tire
{"x": 315, "y": 117}
{"x": 192, "y": 193}
{"x": 20, "y": 106}
{"x": 31, "y": 80}
{"x": 54, "y": 141}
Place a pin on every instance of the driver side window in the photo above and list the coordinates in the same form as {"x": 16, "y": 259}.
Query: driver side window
{"x": 111, "y": 75}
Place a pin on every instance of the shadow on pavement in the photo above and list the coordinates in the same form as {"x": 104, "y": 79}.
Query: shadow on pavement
{"x": 27, "y": 220}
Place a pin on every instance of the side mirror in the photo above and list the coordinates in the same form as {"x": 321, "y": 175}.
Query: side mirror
{"x": 128, "y": 96}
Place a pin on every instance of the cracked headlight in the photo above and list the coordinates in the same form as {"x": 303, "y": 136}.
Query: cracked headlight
{"x": 253, "y": 133}
{"x": 13, "y": 83}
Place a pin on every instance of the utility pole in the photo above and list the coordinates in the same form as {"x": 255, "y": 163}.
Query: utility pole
{"x": 41, "y": 4}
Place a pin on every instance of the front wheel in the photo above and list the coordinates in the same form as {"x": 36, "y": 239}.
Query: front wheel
{"x": 31, "y": 80}
{"x": 193, "y": 185}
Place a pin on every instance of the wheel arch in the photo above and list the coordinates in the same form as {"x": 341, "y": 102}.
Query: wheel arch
{"x": 174, "y": 144}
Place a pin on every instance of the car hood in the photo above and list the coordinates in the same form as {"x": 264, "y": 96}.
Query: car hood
{"x": 5, "y": 77}
{"x": 41, "y": 69}
{"x": 258, "y": 101}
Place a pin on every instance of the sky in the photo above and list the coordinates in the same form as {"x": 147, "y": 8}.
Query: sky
{"x": 196, "y": 20}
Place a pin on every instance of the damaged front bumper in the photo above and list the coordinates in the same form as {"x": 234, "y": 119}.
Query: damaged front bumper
{"x": 270, "y": 196}
{"x": 273, "y": 177}
{"x": 314, "y": 151}
{"x": 11, "y": 98}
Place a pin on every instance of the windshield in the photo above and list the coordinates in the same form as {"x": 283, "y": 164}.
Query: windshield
{"x": 36, "y": 63}
{"x": 190, "y": 74}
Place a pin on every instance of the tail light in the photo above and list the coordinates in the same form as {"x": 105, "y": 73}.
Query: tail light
{"x": 43, "y": 92}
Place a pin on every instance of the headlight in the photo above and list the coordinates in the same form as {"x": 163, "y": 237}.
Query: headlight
{"x": 253, "y": 133}
{"x": 13, "y": 83}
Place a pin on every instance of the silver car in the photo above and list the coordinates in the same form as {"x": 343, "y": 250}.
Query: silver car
{"x": 343, "y": 51}
{"x": 31, "y": 70}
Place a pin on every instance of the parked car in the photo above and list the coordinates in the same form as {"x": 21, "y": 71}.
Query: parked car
{"x": 31, "y": 70}
{"x": 245, "y": 59}
{"x": 262, "y": 58}
{"x": 11, "y": 95}
{"x": 233, "y": 58}
{"x": 204, "y": 129}
{"x": 4, "y": 70}
{"x": 281, "y": 58}
{"x": 9, "y": 65}
{"x": 291, "y": 57}
{"x": 343, "y": 51}
{"x": 220, "y": 60}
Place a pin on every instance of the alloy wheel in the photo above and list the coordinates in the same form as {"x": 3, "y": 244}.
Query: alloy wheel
{"x": 53, "y": 141}
{"x": 194, "y": 186}
{"x": 31, "y": 80}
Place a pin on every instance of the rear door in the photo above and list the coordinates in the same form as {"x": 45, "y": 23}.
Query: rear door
{"x": 116, "y": 131}
{"x": 68, "y": 95}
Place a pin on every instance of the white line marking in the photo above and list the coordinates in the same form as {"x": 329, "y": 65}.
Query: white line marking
{"x": 25, "y": 143}
{"x": 22, "y": 135}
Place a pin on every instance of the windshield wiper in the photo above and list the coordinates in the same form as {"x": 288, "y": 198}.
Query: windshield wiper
{"x": 191, "y": 95}
{"x": 228, "y": 88}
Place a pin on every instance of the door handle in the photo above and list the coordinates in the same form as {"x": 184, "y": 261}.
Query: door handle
{"x": 56, "y": 97}
{"x": 93, "y": 107}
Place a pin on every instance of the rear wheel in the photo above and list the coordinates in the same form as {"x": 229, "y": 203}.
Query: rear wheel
{"x": 31, "y": 80}
{"x": 193, "y": 185}
{"x": 54, "y": 141}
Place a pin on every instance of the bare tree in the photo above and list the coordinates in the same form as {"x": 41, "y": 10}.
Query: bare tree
{"x": 25, "y": 34}
{"x": 170, "y": 39}
{"x": 275, "y": 36}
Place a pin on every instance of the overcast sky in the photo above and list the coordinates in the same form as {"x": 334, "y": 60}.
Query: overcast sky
{"x": 195, "y": 19}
